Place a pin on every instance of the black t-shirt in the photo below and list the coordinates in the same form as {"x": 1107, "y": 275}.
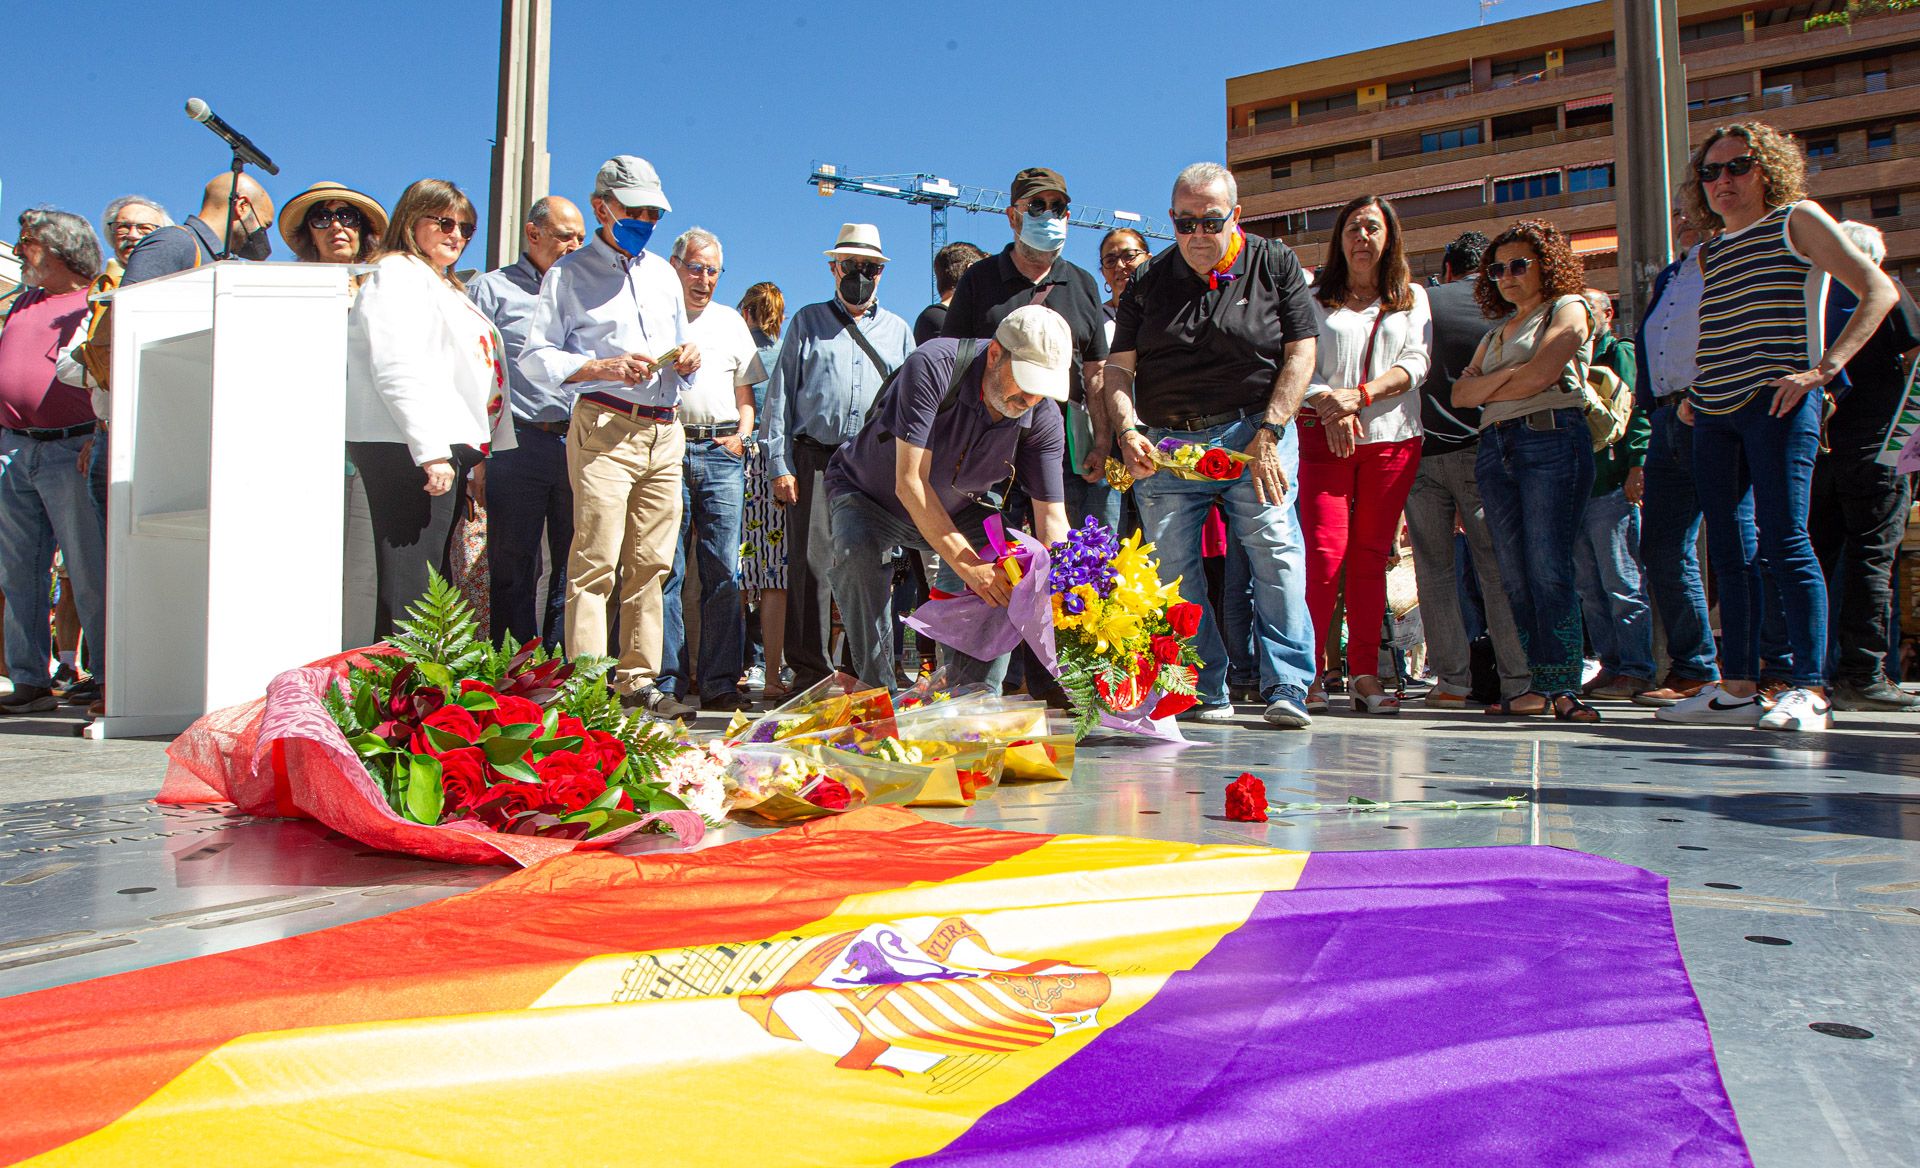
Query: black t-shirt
{"x": 1202, "y": 352}
{"x": 1861, "y": 419}
{"x": 927, "y": 325}
{"x": 992, "y": 288}
{"x": 1458, "y": 325}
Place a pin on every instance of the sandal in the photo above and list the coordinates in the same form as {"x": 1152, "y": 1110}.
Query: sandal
{"x": 1317, "y": 698}
{"x": 1573, "y": 709}
{"x": 1384, "y": 702}
{"x": 1504, "y": 707}
{"x": 774, "y": 693}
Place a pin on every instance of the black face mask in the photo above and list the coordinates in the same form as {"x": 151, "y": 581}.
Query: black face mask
{"x": 856, "y": 288}
{"x": 257, "y": 246}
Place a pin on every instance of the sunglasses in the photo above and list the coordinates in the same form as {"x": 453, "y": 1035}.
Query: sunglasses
{"x": 700, "y": 269}
{"x": 860, "y": 267}
{"x": 1515, "y": 268}
{"x": 449, "y": 226}
{"x": 1736, "y": 167}
{"x": 320, "y": 219}
{"x": 1057, "y": 208}
{"x": 1211, "y": 224}
{"x": 1126, "y": 256}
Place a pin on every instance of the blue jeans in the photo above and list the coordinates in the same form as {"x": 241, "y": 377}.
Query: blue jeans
{"x": 528, "y": 493}
{"x": 1746, "y": 458}
{"x": 46, "y": 499}
{"x": 1669, "y": 547}
{"x": 864, "y": 536}
{"x": 714, "y": 493}
{"x": 1534, "y": 485}
{"x": 1237, "y": 619}
{"x": 1172, "y": 513}
{"x": 1607, "y": 570}
{"x": 1096, "y": 499}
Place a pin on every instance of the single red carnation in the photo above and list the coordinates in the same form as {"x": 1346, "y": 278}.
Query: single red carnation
{"x": 1185, "y": 619}
{"x": 1171, "y": 704}
{"x": 1218, "y": 464}
{"x": 1247, "y": 799}
{"x": 450, "y": 718}
{"x": 463, "y": 778}
{"x": 829, "y": 793}
{"x": 1166, "y": 650}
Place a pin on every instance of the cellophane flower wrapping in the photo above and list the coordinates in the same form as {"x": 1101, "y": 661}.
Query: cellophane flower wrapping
{"x": 784, "y": 783}
{"x": 836, "y": 701}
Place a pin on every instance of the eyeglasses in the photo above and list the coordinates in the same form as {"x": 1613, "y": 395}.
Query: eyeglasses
{"x": 863, "y": 268}
{"x": 133, "y": 228}
{"x": 449, "y": 226}
{"x": 1124, "y": 256}
{"x": 1515, "y": 267}
{"x": 1735, "y": 167}
{"x": 319, "y": 219}
{"x": 699, "y": 269}
{"x": 1056, "y": 208}
{"x": 1211, "y": 224}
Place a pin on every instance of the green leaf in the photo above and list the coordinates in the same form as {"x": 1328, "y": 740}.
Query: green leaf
{"x": 368, "y": 745}
{"x": 1357, "y": 801}
{"x": 436, "y": 674}
{"x": 424, "y": 796}
{"x": 478, "y": 699}
{"x": 444, "y": 739}
{"x": 545, "y": 746}
{"x": 605, "y": 800}
{"x": 501, "y": 749}
{"x": 517, "y": 768}
{"x": 550, "y": 724}
{"x": 524, "y": 730}
{"x": 660, "y": 800}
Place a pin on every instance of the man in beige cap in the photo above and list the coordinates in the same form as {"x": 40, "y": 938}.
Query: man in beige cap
{"x": 964, "y": 419}
{"x": 835, "y": 356}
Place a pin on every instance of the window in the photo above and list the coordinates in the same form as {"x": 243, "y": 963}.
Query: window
{"x": 1711, "y": 29}
{"x": 1885, "y": 205}
{"x": 1531, "y": 186}
{"x": 1590, "y": 178}
{"x": 1873, "y": 74}
{"x": 1584, "y": 53}
{"x": 1593, "y": 115}
{"x": 1280, "y": 170}
{"x": 1880, "y": 138}
{"x": 1822, "y": 148}
{"x": 1773, "y": 96}
{"x": 1403, "y": 92}
{"x": 1273, "y": 115}
{"x": 1321, "y": 105}
{"x": 1451, "y": 138}
{"x": 1515, "y": 72}
{"x": 1715, "y": 91}
{"x": 1524, "y": 123}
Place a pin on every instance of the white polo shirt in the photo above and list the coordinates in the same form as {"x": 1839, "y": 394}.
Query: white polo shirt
{"x": 728, "y": 358}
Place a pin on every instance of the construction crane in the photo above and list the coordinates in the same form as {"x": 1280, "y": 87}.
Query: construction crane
{"x": 938, "y": 196}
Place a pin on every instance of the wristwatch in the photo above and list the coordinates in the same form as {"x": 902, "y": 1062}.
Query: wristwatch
{"x": 1276, "y": 429}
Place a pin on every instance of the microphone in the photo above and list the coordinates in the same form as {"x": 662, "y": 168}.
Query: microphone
{"x": 200, "y": 112}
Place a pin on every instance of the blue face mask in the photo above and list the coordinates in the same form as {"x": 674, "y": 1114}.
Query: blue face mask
{"x": 632, "y": 234}
{"x": 1047, "y": 233}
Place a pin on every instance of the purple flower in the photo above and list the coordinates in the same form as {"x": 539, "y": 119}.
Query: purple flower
{"x": 1169, "y": 445}
{"x": 1072, "y": 604}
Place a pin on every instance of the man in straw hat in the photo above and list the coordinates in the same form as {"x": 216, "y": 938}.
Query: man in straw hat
{"x": 836, "y": 355}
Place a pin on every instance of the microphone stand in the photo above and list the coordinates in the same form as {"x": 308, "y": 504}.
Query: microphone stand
{"x": 233, "y": 199}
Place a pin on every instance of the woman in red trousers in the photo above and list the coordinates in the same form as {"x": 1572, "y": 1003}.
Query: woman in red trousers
{"x": 1360, "y": 435}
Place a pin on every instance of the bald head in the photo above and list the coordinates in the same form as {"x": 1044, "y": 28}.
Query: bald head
{"x": 554, "y": 228}
{"x": 252, "y": 197}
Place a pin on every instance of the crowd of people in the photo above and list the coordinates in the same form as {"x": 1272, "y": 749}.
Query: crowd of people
{"x": 595, "y": 407}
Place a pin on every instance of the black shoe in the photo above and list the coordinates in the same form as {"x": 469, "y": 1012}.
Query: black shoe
{"x": 725, "y": 701}
{"x": 30, "y": 699}
{"x": 1880, "y": 695}
{"x": 84, "y": 692}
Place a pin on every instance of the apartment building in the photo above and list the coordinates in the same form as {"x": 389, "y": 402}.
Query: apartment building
{"x": 1477, "y": 128}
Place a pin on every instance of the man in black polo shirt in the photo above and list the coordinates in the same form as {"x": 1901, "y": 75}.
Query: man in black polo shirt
{"x": 1214, "y": 345}
{"x": 1445, "y": 491}
{"x": 1033, "y": 269}
{"x": 929, "y": 466}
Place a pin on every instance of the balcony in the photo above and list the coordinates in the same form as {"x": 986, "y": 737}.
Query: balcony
{"x": 1256, "y": 184}
{"x": 1517, "y": 209}
{"x": 1799, "y": 95}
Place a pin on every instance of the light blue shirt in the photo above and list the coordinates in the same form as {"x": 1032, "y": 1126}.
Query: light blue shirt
{"x": 598, "y": 302}
{"x": 508, "y": 296}
{"x": 823, "y": 384}
{"x": 1672, "y": 334}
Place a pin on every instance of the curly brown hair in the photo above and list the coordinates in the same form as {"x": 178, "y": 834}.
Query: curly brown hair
{"x": 1783, "y": 167}
{"x": 1561, "y": 272}
{"x": 1393, "y": 274}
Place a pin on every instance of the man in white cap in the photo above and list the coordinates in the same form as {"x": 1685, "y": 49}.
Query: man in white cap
{"x": 835, "y": 356}
{"x": 964, "y": 419}
{"x": 611, "y": 331}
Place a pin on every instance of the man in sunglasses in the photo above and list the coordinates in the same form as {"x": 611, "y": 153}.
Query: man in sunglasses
{"x": 527, "y": 487}
{"x": 611, "y": 330}
{"x": 1216, "y": 349}
{"x": 833, "y": 360}
{"x": 934, "y": 461}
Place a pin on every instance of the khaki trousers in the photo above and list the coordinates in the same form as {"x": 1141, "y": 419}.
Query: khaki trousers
{"x": 626, "y": 476}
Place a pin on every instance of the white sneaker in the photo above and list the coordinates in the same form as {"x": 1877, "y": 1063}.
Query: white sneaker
{"x": 1799, "y": 709}
{"x": 1714, "y": 706}
{"x": 756, "y": 677}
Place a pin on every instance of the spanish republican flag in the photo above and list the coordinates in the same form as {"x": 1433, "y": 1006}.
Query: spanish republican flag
{"x": 878, "y": 989}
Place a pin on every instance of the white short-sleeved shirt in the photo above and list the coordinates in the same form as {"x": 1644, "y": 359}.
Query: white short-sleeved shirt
{"x": 728, "y": 358}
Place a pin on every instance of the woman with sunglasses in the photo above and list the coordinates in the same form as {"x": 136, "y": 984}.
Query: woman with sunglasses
{"x": 1757, "y": 406}
{"x": 426, "y": 392}
{"x": 1535, "y": 462}
{"x": 332, "y": 224}
{"x": 1360, "y": 438}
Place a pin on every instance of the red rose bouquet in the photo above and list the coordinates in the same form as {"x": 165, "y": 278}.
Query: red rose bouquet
{"x": 1192, "y": 460}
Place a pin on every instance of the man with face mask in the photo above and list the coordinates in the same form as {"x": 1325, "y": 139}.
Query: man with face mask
{"x": 1033, "y": 269}
{"x": 611, "y": 332}
{"x": 832, "y": 362}
{"x": 197, "y": 241}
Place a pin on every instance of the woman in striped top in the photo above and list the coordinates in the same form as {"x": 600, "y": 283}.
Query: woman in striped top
{"x": 1757, "y": 403}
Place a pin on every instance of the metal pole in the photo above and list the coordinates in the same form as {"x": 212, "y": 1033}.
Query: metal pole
{"x": 520, "y": 161}
{"x": 1650, "y": 106}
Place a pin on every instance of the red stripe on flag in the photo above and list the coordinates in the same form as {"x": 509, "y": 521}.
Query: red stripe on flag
{"x": 79, "y": 1056}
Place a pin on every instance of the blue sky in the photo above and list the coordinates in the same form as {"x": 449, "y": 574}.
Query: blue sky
{"x": 731, "y": 101}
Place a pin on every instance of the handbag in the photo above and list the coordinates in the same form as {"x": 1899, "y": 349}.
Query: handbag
{"x": 467, "y": 566}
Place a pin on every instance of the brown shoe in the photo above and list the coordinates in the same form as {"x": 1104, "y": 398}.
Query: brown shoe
{"x": 1671, "y": 692}
{"x": 1622, "y": 687}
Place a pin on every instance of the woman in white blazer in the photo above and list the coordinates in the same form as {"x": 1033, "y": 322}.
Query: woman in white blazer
{"x": 426, "y": 392}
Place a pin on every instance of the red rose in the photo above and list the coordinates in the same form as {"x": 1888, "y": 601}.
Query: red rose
{"x": 463, "y": 777}
{"x": 1172, "y": 704}
{"x": 570, "y": 727}
{"x": 471, "y": 685}
{"x": 512, "y": 711}
{"x": 1247, "y": 800}
{"x": 1166, "y": 650}
{"x": 607, "y": 751}
{"x": 829, "y": 793}
{"x": 571, "y": 779}
{"x": 451, "y": 719}
{"x": 506, "y": 800}
{"x": 1185, "y": 619}
{"x": 1218, "y": 464}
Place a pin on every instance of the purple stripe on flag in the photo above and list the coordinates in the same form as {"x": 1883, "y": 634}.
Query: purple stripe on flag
{"x": 1505, "y": 1006}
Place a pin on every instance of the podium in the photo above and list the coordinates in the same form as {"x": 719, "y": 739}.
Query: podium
{"x": 225, "y": 495}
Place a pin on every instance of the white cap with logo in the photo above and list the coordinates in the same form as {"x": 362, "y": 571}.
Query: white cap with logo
{"x": 1040, "y": 344}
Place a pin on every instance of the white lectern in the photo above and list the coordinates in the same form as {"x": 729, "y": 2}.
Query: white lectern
{"x": 224, "y": 509}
